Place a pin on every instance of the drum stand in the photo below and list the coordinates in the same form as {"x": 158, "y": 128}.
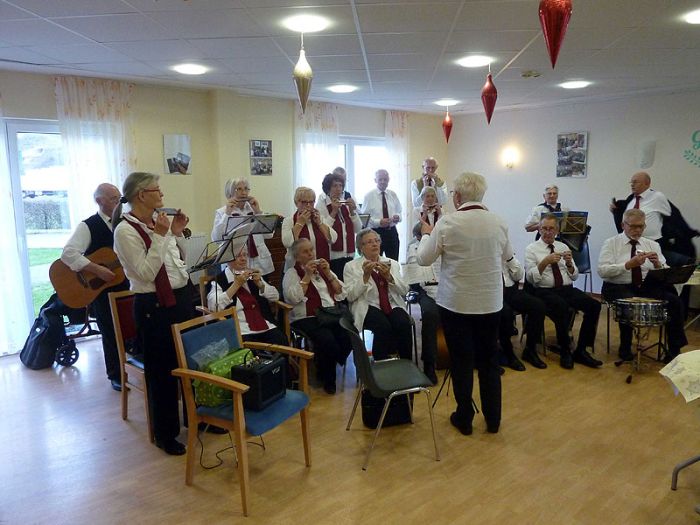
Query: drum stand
{"x": 639, "y": 349}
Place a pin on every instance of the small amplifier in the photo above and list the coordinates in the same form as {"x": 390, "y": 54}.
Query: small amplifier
{"x": 267, "y": 379}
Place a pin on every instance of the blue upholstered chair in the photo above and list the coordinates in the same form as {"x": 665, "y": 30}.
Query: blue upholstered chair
{"x": 192, "y": 336}
{"x": 386, "y": 379}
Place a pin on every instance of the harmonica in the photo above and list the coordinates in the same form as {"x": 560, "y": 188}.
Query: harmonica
{"x": 167, "y": 211}
{"x": 241, "y": 272}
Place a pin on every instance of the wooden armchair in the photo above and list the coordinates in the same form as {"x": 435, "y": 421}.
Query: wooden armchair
{"x": 193, "y": 335}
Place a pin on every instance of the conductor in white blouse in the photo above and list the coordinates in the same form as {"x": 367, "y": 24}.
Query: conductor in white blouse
{"x": 624, "y": 262}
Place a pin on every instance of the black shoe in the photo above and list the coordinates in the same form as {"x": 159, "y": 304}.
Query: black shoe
{"x": 566, "y": 360}
{"x": 211, "y": 429}
{"x": 492, "y": 428}
{"x": 531, "y": 357}
{"x": 116, "y": 384}
{"x": 670, "y": 355}
{"x": 626, "y": 355}
{"x": 429, "y": 371}
{"x": 464, "y": 428}
{"x": 172, "y": 447}
{"x": 586, "y": 359}
{"x": 329, "y": 387}
{"x": 515, "y": 364}
{"x": 501, "y": 370}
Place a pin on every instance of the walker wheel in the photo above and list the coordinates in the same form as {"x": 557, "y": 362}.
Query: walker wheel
{"x": 67, "y": 354}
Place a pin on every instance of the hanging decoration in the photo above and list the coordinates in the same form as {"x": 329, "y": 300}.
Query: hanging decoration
{"x": 489, "y": 94}
{"x": 554, "y": 18}
{"x": 447, "y": 124}
{"x": 302, "y": 77}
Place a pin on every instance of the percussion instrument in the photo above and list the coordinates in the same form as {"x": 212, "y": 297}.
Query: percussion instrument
{"x": 640, "y": 311}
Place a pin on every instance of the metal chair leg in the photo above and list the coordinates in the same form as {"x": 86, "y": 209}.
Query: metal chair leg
{"x": 354, "y": 407}
{"x": 387, "y": 402}
{"x": 679, "y": 467}
{"x": 432, "y": 423}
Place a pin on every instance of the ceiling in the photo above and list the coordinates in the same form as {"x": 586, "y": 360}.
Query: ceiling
{"x": 401, "y": 54}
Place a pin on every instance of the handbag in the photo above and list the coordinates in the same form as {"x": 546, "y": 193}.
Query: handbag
{"x": 398, "y": 413}
{"x": 331, "y": 315}
{"x": 210, "y": 395}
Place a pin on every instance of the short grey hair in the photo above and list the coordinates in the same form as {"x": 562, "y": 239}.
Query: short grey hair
{"x": 551, "y": 187}
{"x": 296, "y": 246}
{"x": 427, "y": 189}
{"x": 303, "y": 190}
{"x": 633, "y": 213}
{"x": 470, "y": 186}
{"x": 230, "y": 186}
{"x": 361, "y": 235}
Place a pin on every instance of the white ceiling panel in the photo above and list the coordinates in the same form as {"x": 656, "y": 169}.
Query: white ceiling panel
{"x": 58, "y": 8}
{"x": 251, "y": 47}
{"x": 81, "y": 53}
{"x": 435, "y": 17}
{"x": 270, "y": 19}
{"x": 473, "y": 42}
{"x": 317, "y": 45}
{"x": 36, "y": 32}
{"x": 8, "y": 12}
{"x": 421, "y": 42}
{"x": 20, "y": 54}
{"x": 253, "y": 65}
{"x": 181, "y": 5}
{"x": 215, "y": 23}
{"x": 118, "y": 28}
{"x": 336, "y": 63}
{"x": 500, "y": 15}
{"x": 175, "y": 50}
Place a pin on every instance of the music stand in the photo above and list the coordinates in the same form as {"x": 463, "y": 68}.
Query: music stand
{"x": 364, "y": 217}
{"x": 675, "y": 275}
{"x": 257, "y": 224}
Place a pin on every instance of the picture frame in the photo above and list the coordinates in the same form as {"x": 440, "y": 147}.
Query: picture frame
{"x": 572, "y": 154}
{"x": 177, "y": 154}
{"x": 260, "y": 151}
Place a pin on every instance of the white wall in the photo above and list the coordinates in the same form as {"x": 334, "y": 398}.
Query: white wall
{"x": 616, "y": 129}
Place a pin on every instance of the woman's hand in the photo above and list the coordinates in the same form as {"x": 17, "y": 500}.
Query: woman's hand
{"x": 162, "y": 224}
{"x": 180, "y": 220}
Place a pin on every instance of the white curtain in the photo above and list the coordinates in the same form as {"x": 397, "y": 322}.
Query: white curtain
{"x": 14, "y": 317}
{"x": 94, "y": 120}
{"x": 396, "y": 136}
{"x": 315, "y": 143}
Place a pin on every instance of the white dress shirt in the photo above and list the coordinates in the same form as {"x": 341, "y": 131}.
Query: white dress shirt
{"x": 537, "y": 251}
{"x": 263, "y": 261}
{"x": 294, "y": 293}
{"x": 78, "y": 242}
{"x": 356, "y": 224}
{"x": 441, "y": 192}
{"x": 512, "y": 272}
{"x": 616, "y": 251}
{"x": 413, "y": 273}
{"x": 217, "y": 299}
{"x": 654, "y": 204}
{"x": 140, "y": 265}
{"x": 537, "y": 211}
{"x": 288, "y": 237}
{"x": 362, "y": 295}
{"x": 373, "y": 205}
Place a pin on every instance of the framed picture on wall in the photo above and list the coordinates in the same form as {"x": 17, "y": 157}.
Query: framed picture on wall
{"x": 572, "y": 154}
{"x": 177, "y": 155}
{"x": 260, "y": 157}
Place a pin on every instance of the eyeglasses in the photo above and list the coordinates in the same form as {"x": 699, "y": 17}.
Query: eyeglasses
{"x": 306, "y": 202}
{"x": 243, "y": 189}
{"x": 430, "y": 168}
{"x": 373, "y": 240}
{"x": 152, "y": 189}
{"x": 635, "y": 226}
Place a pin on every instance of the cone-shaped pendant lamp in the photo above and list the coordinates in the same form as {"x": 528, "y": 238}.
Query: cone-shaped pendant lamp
{"x": 302, "y": 77}
{"x": 554, "y": 18}
{"x": 447, "y": 124}
{"x": 489, "y": 94}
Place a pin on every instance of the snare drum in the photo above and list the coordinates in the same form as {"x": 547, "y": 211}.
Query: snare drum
{"x": 640, "y": 311}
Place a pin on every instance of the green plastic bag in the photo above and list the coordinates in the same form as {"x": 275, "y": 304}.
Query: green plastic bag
{"x": 210, "y": 395}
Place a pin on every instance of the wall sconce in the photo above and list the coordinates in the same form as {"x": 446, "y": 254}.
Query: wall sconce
{"x": 510, "y": 157}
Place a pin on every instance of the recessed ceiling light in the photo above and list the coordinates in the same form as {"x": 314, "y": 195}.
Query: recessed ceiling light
{"x": 306, "y": 23}
{"x": 190, "y": 69}
{"x": 342, "y": 88}
{"x": 475, "y": 61}
{"x": 693, "y": 17}
{"x": 446, "y": 102}
{"x": 575, "y": 84}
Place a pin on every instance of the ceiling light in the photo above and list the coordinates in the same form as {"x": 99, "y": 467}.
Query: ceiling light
{"x": 575, "y": 84}
{"x": 306, "y": 23}
{"x": 475, "y": 61}
{"x": 447, "y": 102}
{"x": 342, "y": 88}
{"x": 190, "y": 69}
{"x": 693, "y": 17}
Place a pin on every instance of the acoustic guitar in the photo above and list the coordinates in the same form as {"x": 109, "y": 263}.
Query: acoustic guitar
{"x": 79, "y": 289}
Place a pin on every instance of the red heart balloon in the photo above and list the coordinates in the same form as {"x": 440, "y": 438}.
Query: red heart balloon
{"x": 554, "y": 18}
{"x": 489, "y": 94}
{"x": 447, "y": 127}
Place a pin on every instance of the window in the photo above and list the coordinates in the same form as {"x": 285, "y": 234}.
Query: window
{"x": 361, "y": 158}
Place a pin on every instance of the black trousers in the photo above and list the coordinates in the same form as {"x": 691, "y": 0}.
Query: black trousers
{"x": 676, "y": 332}
{"x": 331, "y": 345}
{"x": 100, "y": 309}
{"x": 392, "y": 333}
{"x": 156, "y": 341}
{"x": 516, "y": 300}
{"x": 430, "y": 318}
{"x": 338, "y": 265}
{"x": 557, "y": 302}
{"x": 274, "y": 336}
{"x": 390, "y": 242}
{"x": 472, "y": 341}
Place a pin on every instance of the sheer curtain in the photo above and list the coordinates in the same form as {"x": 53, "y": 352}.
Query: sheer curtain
{"x": 396, "y": 136}
{"x": 96, "y": 129}
{"x": 14, "y": 319}
{"x": 315, "y": 143}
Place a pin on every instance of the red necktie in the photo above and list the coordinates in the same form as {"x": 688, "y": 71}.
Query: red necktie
{"x": 637, "y": 270}
{"x": 430, "y": 181}
{"x": 558, "y": 280}
{"x": 385, "y": 207}
{"x": 636, "y": 202}
{"x": 383, "y": 289}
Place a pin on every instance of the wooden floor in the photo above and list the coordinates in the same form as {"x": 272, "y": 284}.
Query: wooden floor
{"x": 575, "y": 447}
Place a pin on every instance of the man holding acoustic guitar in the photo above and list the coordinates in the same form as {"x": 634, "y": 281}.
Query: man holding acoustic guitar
{"x": 88, "y": 253}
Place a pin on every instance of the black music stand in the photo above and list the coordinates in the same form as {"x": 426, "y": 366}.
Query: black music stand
{"x": 675, "y": 275}
{"x": 364, "y": 217}
{"x": 250, "y": 224}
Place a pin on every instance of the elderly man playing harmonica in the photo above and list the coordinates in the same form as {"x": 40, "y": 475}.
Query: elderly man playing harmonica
{"x": 623, "y": 265}
{"x": 550, "y": 272}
